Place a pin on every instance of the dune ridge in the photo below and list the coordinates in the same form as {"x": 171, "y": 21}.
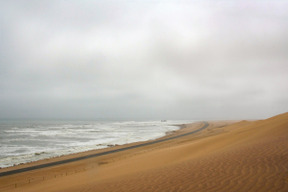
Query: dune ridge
{"x": 227, "y": 156}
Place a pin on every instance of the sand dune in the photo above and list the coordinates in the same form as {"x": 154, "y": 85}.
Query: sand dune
{"x": 227, "y": 156}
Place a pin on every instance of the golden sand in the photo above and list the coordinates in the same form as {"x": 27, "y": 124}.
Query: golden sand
{"x": 227, "y": 156}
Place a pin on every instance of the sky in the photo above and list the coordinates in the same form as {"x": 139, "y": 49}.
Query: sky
{"x": 143, "y": 59}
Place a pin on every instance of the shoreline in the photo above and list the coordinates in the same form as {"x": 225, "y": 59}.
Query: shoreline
{"x": 108, "y": 146}
{"x": 225, "y": 156}
{"x": 134, "y": 145}
{"x": 181, "y": 128}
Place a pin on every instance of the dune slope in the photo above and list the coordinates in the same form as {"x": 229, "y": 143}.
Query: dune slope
{"x": 250, "y": 156}
{"x": 244, "y": 156}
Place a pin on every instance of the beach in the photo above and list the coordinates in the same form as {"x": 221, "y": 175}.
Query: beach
{"x": 202, "y": 156}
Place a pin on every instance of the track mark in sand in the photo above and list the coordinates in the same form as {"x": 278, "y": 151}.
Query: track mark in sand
{"x": 100, "y": 154}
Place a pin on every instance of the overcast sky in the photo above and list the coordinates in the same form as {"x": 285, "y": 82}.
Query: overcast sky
{"x": 143, "y": 59}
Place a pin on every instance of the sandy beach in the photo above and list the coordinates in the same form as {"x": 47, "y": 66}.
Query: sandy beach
{"x": 223, "y": 156}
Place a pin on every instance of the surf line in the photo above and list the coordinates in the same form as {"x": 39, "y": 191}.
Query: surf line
{"x": 99, "y": 154}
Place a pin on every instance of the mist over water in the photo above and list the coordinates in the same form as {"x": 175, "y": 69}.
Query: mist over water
{"x": 23, "y": 141}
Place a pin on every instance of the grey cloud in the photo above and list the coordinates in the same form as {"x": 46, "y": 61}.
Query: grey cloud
{"x": 143, "y": 60}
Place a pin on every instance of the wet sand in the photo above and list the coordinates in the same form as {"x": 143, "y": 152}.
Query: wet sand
{"x": 226, "y": 156}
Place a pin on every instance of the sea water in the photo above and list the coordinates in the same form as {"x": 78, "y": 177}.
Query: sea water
{"x": 27, "y": 141}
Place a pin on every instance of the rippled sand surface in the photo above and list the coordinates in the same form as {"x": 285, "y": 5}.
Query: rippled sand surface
{"x": 227, "y": 156}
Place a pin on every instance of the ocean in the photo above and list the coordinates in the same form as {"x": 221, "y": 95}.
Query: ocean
{"x": 27, "y": 141}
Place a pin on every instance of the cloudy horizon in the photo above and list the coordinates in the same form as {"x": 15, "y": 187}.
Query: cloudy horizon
{"x": 143, "y": 60}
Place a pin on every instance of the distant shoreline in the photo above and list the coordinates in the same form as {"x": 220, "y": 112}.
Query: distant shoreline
{"x": 99, "y": 135}
{"x": 146, "y": 143}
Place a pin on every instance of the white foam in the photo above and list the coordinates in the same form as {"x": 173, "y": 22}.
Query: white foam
{"x": 22, "y": 143}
